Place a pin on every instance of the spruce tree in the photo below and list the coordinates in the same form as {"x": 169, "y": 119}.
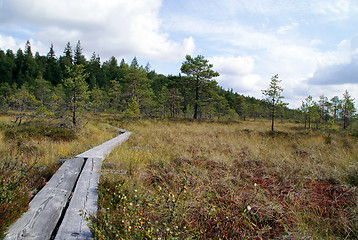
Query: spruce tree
{"x": 79, "y": 58}
{"x": 53, "y": 71}
{"x": 66, "y": 61}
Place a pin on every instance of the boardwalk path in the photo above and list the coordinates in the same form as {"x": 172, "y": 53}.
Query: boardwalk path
{"x": 59, "y": 210}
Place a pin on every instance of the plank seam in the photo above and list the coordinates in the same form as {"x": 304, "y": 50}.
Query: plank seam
{"x": 64, "y": 210}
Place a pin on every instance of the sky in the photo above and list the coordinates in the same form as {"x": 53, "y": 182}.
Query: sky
{"x": 311, "y": 44}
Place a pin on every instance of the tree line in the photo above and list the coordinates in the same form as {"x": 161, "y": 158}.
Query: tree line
{"x": 68, "y": 85}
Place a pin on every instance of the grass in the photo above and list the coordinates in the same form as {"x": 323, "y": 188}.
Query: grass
{"x": 207, "y": 180}
{"x": 28, "y": 158}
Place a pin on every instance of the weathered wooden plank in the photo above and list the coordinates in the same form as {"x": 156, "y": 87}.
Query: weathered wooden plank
{"x": 48, "y": 210}
{"x": 102, "y": 151}
{"x": 83, "y": 202}
{"x": 46, "y": 207}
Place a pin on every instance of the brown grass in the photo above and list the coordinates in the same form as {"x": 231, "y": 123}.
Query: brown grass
{"x": 212, "y": 180}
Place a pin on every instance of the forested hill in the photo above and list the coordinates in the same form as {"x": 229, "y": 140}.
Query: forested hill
{"x": 55, "y": 84}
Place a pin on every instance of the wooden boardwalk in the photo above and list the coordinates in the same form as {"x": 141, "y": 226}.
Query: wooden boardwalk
{"x": 60, "y": 209}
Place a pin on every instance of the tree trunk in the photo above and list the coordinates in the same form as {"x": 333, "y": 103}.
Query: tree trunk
{"x": 273, "y": 118}
{"x": 305, "y": 122}
{"x": 74, "y": 109}
{"x": 196, "y": 100}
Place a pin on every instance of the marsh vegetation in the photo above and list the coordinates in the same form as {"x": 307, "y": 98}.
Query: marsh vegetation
{"x": 229, "y": 180}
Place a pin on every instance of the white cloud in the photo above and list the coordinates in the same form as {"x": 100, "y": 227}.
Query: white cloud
{"x": 315, "y": 42}
{"x": 333, "y": 9}
{"x": 294, "y": 57}
{"x": 7, "y": 42}
{"x": 237, "y": 73}
{"x": 109, "y": 27}
{"x": 233, "y": 65}
{"x": 284, "y": 29}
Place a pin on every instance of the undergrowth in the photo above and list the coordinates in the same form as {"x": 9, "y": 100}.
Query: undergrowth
{"x": 189, "y": 180}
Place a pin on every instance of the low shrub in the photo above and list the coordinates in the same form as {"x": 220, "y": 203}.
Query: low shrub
{"x": 38, "y": 130}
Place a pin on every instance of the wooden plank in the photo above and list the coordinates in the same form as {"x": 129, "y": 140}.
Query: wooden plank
{"x": 46, "y": 207}
{"x": 53, "y": 213}
{"x": 104, "y": 149}
{"x": 83, "y": 202}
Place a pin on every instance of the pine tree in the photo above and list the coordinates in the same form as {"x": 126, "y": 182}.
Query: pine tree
{"x": 347, "y": 108}
{"x": 114, "y": 94}
{"x": 335, "y": 102}
{"x": 22, "y": 101}
{"x": 99, "y": 99}
{"x": 76, "y": 87}
{"x": 274, "y": 97}
{"x": 324, "y": 107}
{"x": 111, "y": 71}
{"x": 136, "y": 85}
{"x": 200, "y": 73}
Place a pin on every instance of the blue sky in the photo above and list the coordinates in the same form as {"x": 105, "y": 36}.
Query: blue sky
{"x": 311, "y": 44}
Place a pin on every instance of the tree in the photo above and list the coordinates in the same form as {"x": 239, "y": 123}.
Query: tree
{"x": 305, "y": 108}
{"x": 200, "y": 72}
{"x": 6, "y": 91}
{"x": 76, "y": 87}
{"x": 7, "y": 66}
{"x": 111, "y": 71}
{"x": 347, "y": 108}
{"x": 273, "y": 94}
{"x": 114, "y": 94}
{"x": 30, "y": 66}
{"x": 241, "y": 106}
{"x": 96, "y": 76}
{"x": 22, "y": 100}
{"x": 324, "y": 107}
{"x": 79, "y": 58}
{"x": 132, "y": 111}
{"x": 66, "y": 61}
{"x": 99, "y": 99}
{"x": 136, "y": 85}
{"x": 42, "y": 90}
{"x": 53, "y": 71}
{"x": 163, "y": 104}
{"x": 335, "y": 102}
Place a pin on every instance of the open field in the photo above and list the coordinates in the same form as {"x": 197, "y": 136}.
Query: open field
{"x": 28, "y": 158}
{"x": 202, "y": 180}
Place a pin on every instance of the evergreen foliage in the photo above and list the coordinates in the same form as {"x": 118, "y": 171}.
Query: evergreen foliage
{"x": 274, "y": 97}
{"x": 113, "y": 86}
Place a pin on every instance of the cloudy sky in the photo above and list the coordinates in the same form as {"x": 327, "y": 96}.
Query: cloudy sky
{"x": 311, "y": 44}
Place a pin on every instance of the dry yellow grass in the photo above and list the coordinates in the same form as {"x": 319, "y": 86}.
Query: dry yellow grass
{"x": 296, "y": 184}
{"x": 43, "y": 151}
